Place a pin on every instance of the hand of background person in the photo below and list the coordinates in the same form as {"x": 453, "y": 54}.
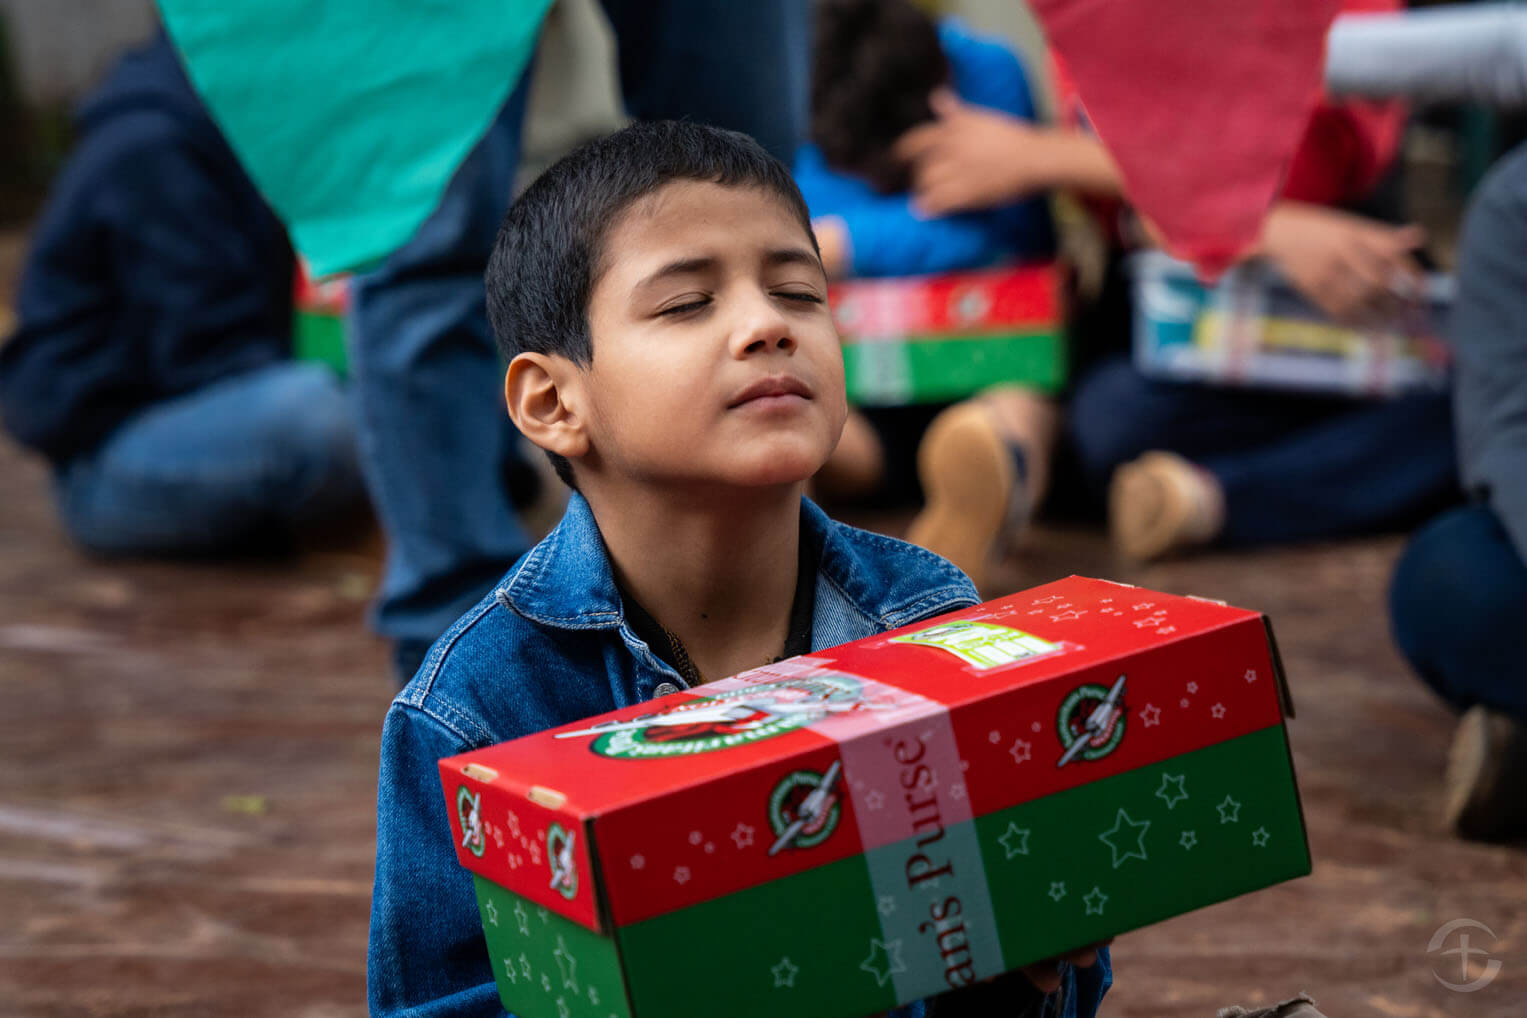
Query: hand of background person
{"x": 1354, "y": 269}
{"x": 969, "y": 157}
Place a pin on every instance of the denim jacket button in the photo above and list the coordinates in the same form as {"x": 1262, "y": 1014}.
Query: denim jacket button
{"x": 664, "y": 688}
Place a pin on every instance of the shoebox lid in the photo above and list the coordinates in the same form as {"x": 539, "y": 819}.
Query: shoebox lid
{"x": 934, "y": 785}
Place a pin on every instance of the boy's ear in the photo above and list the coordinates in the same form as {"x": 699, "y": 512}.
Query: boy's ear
{"x": 543, "y": 394}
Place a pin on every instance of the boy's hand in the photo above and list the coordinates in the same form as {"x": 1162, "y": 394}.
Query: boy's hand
{"x": 1045, "y": 975}
{"x": 1354, "y": 269}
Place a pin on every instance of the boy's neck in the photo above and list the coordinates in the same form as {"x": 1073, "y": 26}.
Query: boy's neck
{"x": 717, "y": 571}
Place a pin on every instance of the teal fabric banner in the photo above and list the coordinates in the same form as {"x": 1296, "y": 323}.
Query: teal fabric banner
{"x": 352, "y": 115}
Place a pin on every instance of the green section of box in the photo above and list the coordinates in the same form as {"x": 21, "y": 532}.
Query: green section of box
{"x": 1062, "y": 871}
{"x": 548, "y": 966}
{"x": 320, "y": 337}
{"x": 791, "y": 947}
{"x": 1192, "y": 830}
{"x": 931, "y": 369}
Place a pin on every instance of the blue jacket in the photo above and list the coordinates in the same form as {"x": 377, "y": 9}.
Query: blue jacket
{"x": 155, "y": 267}
{"x": 550, "y": 645}
{"x": 886, "y": 236}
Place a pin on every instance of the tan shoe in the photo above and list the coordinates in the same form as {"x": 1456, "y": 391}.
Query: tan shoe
{"x": 1486, "y": 768}
{"x": 1161, "y": 503}
{"x": 974, "y": 499}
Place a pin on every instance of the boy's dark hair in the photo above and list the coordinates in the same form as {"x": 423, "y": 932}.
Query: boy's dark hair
{"x": 874, "y": 64}
{"x": 550, "y": 249}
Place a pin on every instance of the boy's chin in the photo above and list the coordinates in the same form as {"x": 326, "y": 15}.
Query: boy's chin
{"x": 773, "y": 471}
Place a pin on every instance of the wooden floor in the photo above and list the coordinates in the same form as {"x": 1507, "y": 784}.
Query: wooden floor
{"x": 189, "y": 775}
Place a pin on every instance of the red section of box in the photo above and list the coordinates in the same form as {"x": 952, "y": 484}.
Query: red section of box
{"x": 1196, "y": 673}
{"x": 323, "y": 297}
{"x": 1021, "y": 299}
{"x": 513, "y": 832}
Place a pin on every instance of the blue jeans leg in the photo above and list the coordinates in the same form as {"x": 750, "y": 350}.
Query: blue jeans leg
{"x": 743, "y": 66}
{"x": 245, "y": 461}
{"x": 1292, "y": 466}
{"x": 1457, "y": 604}
{"x": 428, "y": 384}
{"x": 1373, "y": 466}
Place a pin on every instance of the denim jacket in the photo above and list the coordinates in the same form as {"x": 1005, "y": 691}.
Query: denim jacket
{"x": 550, "y": 645}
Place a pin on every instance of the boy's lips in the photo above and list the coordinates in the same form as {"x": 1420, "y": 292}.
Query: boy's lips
{"x": 771, "y": 387}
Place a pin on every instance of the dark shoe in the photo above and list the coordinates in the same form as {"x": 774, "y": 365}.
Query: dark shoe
{"x": 1486, "y": 771}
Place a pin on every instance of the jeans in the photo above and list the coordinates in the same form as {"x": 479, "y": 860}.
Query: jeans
{"x": 237, "y": 466}
{"x": 1457, "y": 604}
{"x": 1292, "y": 467}
{"x": 434, "y": 434}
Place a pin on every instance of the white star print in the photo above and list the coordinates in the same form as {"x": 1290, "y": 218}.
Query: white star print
{"x": 1020, "y": 750}
{"x": 1095, "y": 899}
{"x": 742, "y": 835}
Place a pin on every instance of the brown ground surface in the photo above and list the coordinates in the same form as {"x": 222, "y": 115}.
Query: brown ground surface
{"x": 188, "y": 783}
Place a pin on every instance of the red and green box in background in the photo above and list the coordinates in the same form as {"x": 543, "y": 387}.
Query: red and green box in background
{"x": 913, "y": 340}
{"x": 928, "y": 339}
{"x": 318, "y": 319}
{"x": 842, "y": 832}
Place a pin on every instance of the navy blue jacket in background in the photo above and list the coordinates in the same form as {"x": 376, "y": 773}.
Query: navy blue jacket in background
{"x": 155, "y": 268}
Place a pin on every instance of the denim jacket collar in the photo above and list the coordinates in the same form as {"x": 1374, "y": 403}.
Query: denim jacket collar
{"x": 566, "y": 580}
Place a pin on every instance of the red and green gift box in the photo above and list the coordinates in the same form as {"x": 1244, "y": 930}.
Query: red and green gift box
{"x": 927, "y": 339}
{"x": 842, "y": 832}
{"x": 318, "y": 319}
{"x": 917, "y": 339}
{"x": 1253, "y": 329}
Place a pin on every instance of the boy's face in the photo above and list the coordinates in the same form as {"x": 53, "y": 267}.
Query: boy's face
{"x": 715, "y": 357}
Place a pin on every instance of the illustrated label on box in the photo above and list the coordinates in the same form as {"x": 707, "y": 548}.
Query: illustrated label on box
{"x": 962, "y": 796}
{"x": 922, "y": 339}
{"x": 1252, "y": 329}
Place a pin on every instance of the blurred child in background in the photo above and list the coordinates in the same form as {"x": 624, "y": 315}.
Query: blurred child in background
{"x": 152, "y": 364}
{"x": 1183, "y": 465}
{"x": 879, "y": 69}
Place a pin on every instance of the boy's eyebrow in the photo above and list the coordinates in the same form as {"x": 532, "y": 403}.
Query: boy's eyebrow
{"x": 681, "y": 267}
{"x": 705, "y": 263}
{"x": 792, "y": 256}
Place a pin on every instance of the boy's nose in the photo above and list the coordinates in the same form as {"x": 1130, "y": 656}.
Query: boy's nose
{"x": 762, "y": 330}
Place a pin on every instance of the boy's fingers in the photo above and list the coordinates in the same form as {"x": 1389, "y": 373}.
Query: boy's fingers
{"x": 1045, "y": 975}
{"x": 1083, "y": 959}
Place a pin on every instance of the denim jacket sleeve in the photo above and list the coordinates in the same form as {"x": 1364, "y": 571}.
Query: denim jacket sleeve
{"x": 426, "y": 957}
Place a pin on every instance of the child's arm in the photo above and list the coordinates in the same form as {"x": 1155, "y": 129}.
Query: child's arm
{"x": 885, "y": 236}
{"x": 973, "y": 158}
{"x": 426, "y": 955}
